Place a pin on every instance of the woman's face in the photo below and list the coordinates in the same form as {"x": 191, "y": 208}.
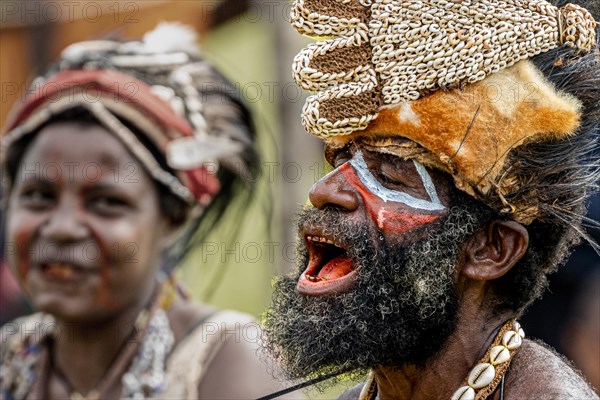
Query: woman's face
{"x": 84, "y": 227}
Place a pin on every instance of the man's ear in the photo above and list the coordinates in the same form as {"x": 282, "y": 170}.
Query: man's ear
{"x": 493, "y": 250}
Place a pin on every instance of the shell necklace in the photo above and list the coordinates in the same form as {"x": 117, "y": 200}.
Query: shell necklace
{"x": 485, "y": 377}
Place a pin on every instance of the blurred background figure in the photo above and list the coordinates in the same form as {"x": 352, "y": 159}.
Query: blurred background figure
{"x": 35, "y": 32}
{"x": 12, "y": 302}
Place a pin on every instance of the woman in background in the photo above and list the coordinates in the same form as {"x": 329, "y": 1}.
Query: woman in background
{"x": 122, "y": 153}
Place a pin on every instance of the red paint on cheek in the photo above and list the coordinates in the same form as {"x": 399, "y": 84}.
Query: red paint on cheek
{"x": 393, "y": 221}
{"x": 400, "y": 222}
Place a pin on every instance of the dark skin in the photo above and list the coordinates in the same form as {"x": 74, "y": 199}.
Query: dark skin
{"x": 83, "y": 199}
{"x": 488, "y": 254}
{"x": 89, "y": 216}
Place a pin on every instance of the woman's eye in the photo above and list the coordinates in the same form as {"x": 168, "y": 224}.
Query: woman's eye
{"x": 108, "y": 203}
{"x": 36, "y": 198}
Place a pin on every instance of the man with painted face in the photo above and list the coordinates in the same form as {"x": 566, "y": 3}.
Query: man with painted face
{"x": 460, "y": 136}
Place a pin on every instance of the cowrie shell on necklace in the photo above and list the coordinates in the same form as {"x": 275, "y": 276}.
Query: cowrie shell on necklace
{"x": 482, "y": 378}
{"x": 517, "y": 328}
{"x": 512, "y": 340}
{"x": 499, "y": 354}
{"x": 482, "y": 375}
{"x": 464, "y": 393}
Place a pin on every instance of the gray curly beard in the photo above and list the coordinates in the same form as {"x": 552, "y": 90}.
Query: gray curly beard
{"x": 401, "y": 310}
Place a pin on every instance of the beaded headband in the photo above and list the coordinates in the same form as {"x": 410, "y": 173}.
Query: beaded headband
{"x": 387, "y": 52}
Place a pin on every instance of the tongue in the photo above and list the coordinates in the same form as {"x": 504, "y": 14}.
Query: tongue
{"x": 336, "y": 268}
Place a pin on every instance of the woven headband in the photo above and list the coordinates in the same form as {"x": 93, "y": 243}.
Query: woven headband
{"x": 387, "y": 52}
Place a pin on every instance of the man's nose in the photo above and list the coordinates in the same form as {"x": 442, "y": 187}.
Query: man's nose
{"x": 65, "y": 223}
{"x": 334, "y": 190}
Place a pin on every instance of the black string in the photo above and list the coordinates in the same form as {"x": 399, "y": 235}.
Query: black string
{"x": 329, "y": 376}
{"x": 304, "y": 384}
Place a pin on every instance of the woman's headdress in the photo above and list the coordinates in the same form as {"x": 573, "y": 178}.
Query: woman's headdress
{"x": 159, "y": 86}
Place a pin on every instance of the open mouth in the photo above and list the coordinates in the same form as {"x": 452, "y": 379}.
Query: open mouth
{"x": 330, "y": 270}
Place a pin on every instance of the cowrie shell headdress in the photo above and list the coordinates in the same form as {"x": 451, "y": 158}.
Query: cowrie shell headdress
{"x": 386, "y": 52}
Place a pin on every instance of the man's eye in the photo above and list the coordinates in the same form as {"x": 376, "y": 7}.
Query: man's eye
{"x": 384, "y": 178}
{"x": 341, "y": 157}
{"x": 390, "y": 179}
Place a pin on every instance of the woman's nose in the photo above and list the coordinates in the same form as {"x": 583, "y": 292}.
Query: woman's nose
{"x": 64, "y": 223}
{"x": 334, "y": 190}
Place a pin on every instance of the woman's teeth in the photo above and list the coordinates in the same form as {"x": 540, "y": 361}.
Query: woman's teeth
{"x": 61, "y": 270}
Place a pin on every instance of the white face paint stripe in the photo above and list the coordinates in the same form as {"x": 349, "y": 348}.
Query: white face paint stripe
{"x": 427, "y": 182}
{"x": 385, "y": 194}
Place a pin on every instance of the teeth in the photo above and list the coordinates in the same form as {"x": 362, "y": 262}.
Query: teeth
{"x": 60, "y": 269}
{"x": 320, "y": 239}
{"x": 314, "y": 278}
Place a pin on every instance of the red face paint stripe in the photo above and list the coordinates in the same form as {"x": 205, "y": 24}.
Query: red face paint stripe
{"x": 400, "y": 222}
{"x": 389, "y": 221}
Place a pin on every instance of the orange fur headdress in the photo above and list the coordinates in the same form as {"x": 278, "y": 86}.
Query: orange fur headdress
{"x": 452, "y": 76}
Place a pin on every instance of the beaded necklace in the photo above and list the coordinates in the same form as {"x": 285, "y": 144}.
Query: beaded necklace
{"x": 26, "y": 368}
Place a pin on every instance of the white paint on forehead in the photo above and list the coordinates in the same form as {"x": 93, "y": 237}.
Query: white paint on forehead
{"x": 385, "y": 194}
